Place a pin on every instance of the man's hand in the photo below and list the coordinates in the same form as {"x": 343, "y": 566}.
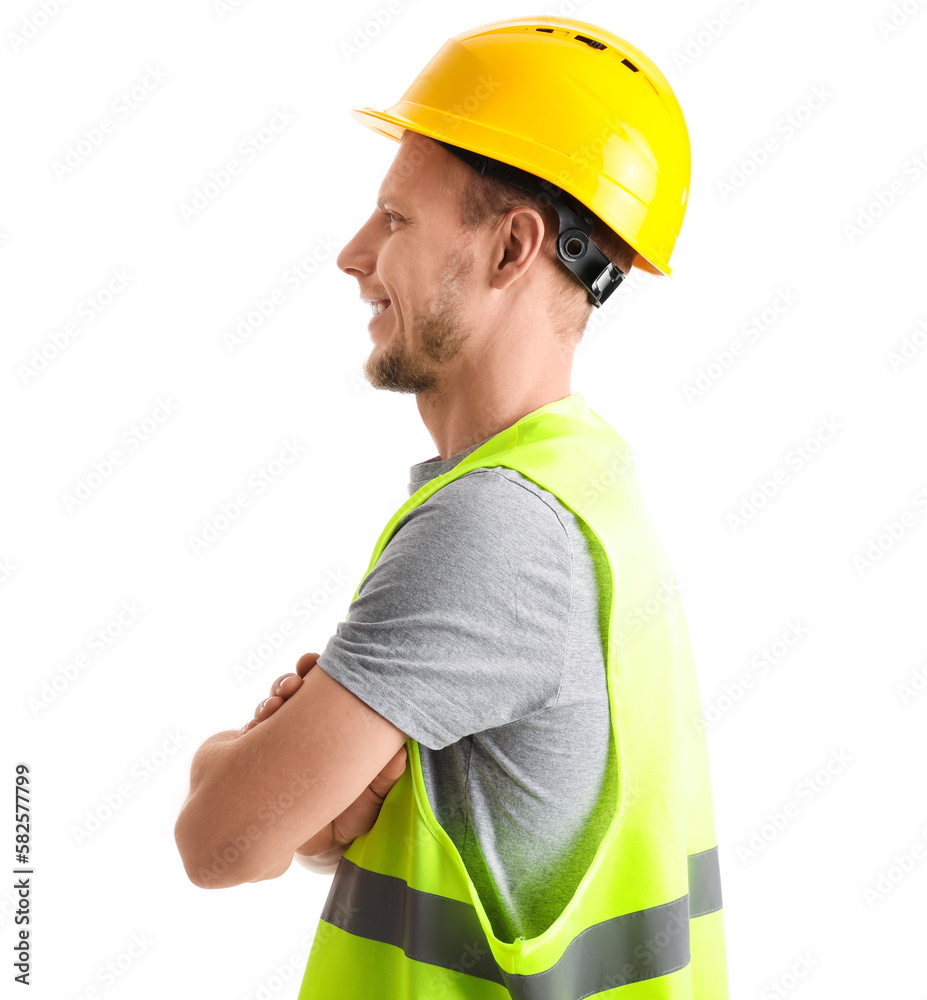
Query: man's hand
{"x": 284, "y": 686}
{"x": 321, "y": 852}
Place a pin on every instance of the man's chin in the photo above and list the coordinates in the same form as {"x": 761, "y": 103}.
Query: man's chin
{"x": 393, "y": 372}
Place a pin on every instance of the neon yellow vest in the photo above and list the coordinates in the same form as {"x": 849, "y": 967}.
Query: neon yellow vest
{"x": 403, "y": 920}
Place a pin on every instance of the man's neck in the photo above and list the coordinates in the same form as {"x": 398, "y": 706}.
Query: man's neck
{"x": 458, "y": 421}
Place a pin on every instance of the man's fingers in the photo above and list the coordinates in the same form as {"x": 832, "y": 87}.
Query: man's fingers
{"x": 360, "y": 816}
{"x": 390, "y": 774}
{"x": 285, "y": 685}
{"x": 305, "y": 663}
{"x": 267, "y": 707}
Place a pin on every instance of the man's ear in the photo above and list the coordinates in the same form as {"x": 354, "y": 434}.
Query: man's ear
{"x": 516, "y": 243}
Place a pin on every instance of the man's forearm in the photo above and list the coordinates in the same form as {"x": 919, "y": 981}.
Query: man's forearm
{"x": 211, "y": 756}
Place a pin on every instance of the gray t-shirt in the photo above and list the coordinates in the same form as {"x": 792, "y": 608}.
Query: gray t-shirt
{"x": 478, "y": 634}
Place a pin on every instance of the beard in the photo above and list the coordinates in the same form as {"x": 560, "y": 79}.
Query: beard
{"x": 415, "y": 363}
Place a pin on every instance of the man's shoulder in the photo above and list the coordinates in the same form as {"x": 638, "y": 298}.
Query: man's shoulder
{"x": 487, "y": 499}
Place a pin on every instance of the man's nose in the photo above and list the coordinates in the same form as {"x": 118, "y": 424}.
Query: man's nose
{"x": 359, "y": 254}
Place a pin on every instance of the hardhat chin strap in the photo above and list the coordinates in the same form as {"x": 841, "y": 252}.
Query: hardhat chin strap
{"x": 575, "y": 247}
{"x": 577, "y": 251}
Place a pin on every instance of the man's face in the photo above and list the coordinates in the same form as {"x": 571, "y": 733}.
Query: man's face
{"x": 413, "y": 258}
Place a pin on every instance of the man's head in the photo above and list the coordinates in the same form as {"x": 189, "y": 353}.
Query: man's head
{"x": 466, "y": 268}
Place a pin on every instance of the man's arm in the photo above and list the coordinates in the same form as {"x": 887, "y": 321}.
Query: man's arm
{"x": 258, "y": 794}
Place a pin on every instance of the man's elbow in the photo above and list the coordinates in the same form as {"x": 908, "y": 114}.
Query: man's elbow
{"x": 205, "y": 866}
{"x": 208, "y": 877}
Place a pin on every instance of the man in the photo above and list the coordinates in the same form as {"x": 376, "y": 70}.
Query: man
{"x": 500, "y": 752}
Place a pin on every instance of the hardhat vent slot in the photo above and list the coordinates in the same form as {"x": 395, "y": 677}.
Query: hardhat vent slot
{"x": 590, "y": 42}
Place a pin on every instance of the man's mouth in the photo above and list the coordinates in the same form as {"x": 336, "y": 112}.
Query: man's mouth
{"x": 380, "y": 306}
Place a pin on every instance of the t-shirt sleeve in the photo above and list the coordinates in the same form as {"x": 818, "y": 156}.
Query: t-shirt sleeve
{"x": 462, "y": 625}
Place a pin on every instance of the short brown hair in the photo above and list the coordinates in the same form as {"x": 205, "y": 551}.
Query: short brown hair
{"x": 483, "y": 198}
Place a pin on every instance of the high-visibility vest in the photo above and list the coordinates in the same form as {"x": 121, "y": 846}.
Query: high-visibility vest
{"x": 403, "y": 918}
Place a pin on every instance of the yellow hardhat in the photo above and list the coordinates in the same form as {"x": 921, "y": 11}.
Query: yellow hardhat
{"x": 572, "y": 104}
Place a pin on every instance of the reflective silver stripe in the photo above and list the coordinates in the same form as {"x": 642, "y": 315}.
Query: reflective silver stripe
{"x": 445, "y": 932}
{"x": 704, "y": 883}
{"x": 428, "y": 928}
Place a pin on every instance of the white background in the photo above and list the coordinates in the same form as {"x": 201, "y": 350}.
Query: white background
{"x": 827, "y": 738}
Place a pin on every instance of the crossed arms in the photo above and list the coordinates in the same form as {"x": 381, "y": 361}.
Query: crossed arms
{"x": 305, "y": 776}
